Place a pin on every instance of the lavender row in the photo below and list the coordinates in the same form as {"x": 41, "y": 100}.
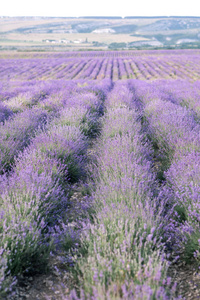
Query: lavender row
{"x": 16, "y": 134}
{"x": 184, "y": 93}
{"x": 18, "y": 96}
{"x": 34, "y": 200}
{"x": 5, "y": 112}
{"x": 23, "y": 122}
{"x": 123, "y": 256}
{"x": 176, "y": 134}
{"x": 128, "y": 53}
{"x": 19, "y": 129}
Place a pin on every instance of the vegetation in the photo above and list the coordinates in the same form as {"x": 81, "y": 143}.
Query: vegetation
{"x": 99, "y": 166}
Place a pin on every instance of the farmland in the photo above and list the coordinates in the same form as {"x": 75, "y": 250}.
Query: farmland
{"x": 100, "y": 174}
{"x": 98, "y": 33}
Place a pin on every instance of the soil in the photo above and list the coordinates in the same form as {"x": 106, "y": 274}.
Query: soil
{"x": 187, "y": 278}
{"x": 51, "y": 286}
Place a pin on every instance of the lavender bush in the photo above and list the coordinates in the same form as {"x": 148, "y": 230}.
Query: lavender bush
{"x": 16, "y": 133}
{"x": 123, "y": 256}
{"x": 5, "y": 112}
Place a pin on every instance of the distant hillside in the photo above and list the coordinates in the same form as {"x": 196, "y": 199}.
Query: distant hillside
{"x": 87, "y": 33}
{"x": 172, "y": 24}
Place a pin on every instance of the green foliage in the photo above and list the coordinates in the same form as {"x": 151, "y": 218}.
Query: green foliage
{"x": 191, "y": 247}
{"x": 117, "y": 45}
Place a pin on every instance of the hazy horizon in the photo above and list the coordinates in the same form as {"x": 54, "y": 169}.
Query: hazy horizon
{"x": 102, "y": 16}
{"x": 88, "y": 8}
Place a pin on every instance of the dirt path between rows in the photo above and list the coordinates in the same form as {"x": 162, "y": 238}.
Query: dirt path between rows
{"x": 187, "y": 278}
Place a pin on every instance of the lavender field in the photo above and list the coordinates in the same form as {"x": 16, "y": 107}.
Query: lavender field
{"x": 99, "y": 169}
{"x": 97, "y": 65}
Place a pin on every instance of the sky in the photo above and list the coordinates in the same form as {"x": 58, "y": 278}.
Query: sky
{"x": 77, "y": 8}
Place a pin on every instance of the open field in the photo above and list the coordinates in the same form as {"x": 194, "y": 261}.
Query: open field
{"x": 100, "y": 175}
{"x": 91, "y": 37}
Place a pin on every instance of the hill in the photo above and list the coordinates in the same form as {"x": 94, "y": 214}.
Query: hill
{"x": 90, "y": 33}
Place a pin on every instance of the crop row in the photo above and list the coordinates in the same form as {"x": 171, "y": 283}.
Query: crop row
{"x": 34, "y": 189}
{"x": 123, "y": 254}
{"x": 175, "y": 131}
{"x": 96, "y": 68}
